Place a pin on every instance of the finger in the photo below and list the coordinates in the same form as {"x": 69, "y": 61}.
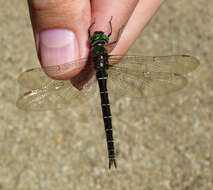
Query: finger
{"x": 137, "y": 22}
{"x": 103, "y": 10}
{"x": 60, "y": 30}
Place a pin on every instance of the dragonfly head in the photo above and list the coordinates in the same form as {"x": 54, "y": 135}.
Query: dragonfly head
{"x": 99, "y": 38}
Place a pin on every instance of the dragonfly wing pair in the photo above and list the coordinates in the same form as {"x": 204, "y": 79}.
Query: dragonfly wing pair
{"x": 135, "y": 76}
{"x": 44, "y": 93}
{"x": 147, "y": 76}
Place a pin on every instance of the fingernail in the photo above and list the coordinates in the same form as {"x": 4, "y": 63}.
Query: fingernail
{"x": 57, "y": 49}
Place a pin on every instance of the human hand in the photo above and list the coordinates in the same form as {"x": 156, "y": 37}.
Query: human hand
{"x": 61, "y": 27}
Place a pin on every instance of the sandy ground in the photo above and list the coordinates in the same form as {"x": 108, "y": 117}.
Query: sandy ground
{"x": 163, "y": 143}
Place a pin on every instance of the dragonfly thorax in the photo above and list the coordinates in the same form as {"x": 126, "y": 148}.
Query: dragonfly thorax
{"x": 99, "y": 57}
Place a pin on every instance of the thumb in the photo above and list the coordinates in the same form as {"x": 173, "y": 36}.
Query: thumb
{"x": 60, "y": 30}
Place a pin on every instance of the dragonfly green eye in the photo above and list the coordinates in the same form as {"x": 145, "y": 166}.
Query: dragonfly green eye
{"x": 105, "y": 37}
{"x": 95, "y": 37}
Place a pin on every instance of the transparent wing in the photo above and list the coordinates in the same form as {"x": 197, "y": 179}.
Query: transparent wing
{"x": 33, "y": 79}
{"x": 147, "y": 76}
{"x": 46, "y": 99}
{"x": 37, "y": 79}
{"x": 146, "y": 85}
{"x": 44, "y": 93}
{"x": 52, "y": 99}
{"x": 180, "y": 64}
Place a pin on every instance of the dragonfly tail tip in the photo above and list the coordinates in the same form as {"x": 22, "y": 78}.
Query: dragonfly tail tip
{"x": 112, "y": 161}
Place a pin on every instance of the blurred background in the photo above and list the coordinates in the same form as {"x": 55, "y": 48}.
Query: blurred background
{"x": 163, "y": 143}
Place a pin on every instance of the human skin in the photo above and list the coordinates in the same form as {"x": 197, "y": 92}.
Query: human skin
{"x": 61, "y": 28}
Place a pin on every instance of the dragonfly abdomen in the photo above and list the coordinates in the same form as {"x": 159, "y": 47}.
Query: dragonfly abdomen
{"x": 102, "y": 81}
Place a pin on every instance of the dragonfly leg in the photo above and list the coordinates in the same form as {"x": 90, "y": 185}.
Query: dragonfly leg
{"x": 110, "y": 24}
{"x": 118, "y": 36}
{"x": 89, "y": 29}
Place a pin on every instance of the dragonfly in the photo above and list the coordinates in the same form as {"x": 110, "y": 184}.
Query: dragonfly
{"x": 124, "y": 75}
